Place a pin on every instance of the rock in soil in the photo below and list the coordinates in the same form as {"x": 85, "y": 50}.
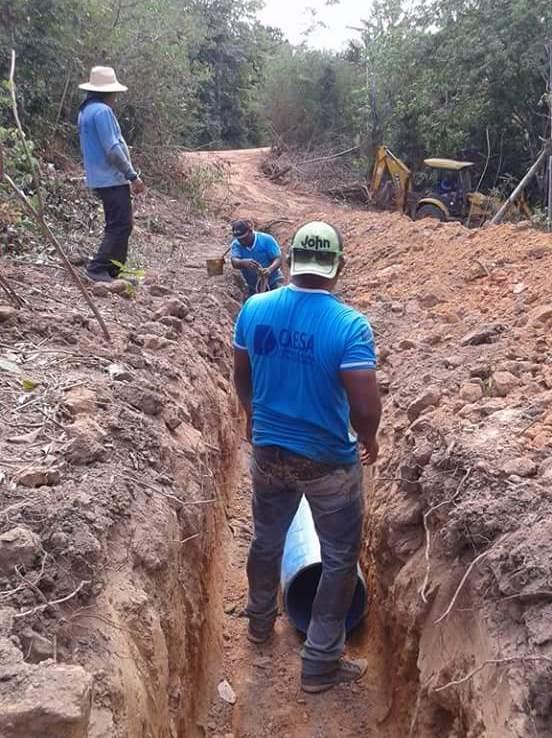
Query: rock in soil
{"x": 159, "y": 290}
{"x": 429, "y": 398}
{"x": 119, "y": 373}
{"x": 148, "y": 401}
{"x": 503, "y": 383}
{"x": 80, "y": 400}
{"x": 485, "y": 334}
{"x": 540, "y": 314}
{"x": 18, "y": 547}
{"x": 471, "y": 392}
{"x": 49, "y": 700}
{"x": 86, "y": 444}
{"x": 155, "y": 343}
{"x": 38, "y": 476}
{"x": 6, "y": 313}
{"x": 178, "y": 308}
{"x": 118, "y": 287}
{"x": 522, "y": 466}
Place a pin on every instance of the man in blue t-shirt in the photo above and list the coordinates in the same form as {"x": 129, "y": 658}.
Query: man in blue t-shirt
{"x": 305, "y": 374}
{"x": 109, "y": 171}
{"x": 258, "y": 256}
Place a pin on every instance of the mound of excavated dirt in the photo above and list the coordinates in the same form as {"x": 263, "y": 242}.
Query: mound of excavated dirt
{"x": 463, "y": 321}
{"x": 462, "y": 548}
{"x": 115, "y": 464}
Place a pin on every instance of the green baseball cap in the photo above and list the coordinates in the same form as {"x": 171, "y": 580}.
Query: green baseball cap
{"x": 316, "y": 249}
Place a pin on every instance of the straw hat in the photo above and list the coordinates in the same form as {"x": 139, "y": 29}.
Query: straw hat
{"x": 103, "y": 79}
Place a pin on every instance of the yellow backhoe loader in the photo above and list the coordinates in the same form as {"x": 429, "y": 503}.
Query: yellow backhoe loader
{"x": 449, "y": 195}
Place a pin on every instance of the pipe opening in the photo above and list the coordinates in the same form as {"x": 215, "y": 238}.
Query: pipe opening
{"x": 301, "y": 590}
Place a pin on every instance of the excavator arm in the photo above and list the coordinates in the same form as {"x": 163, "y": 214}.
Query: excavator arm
{"x": 390, "y": 182}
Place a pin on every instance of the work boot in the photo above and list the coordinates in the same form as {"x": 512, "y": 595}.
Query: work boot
{"x": 259, "y": 635}
{"x": 99, "y": 276}
{"x": 347, "y": 671}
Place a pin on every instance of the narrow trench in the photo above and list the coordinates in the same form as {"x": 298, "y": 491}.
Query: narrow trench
{"x": 265, "y": 678}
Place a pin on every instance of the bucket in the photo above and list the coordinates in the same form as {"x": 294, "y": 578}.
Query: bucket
{"x": 215, "y": 267}
{"x": 301, "y": 571}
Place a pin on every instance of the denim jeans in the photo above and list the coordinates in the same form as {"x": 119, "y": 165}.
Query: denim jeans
{"x": 337, "y": 504}
{"x": 117, "y": 206}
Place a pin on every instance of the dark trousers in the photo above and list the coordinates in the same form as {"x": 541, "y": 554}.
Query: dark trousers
{"x": 337, "y": 504}
{"x": 117, "y": 207}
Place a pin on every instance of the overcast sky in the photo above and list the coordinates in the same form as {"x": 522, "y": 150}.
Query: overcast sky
{"x": 292, "y": 17}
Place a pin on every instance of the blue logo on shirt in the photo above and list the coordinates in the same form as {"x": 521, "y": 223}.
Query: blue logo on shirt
{"x": 264, "y": 340}
{"x": 293, "y": 345}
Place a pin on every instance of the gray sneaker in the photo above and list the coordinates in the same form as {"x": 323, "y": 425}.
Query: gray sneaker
{"x": 347, "y": 671}
{"x": 99, "y": 276}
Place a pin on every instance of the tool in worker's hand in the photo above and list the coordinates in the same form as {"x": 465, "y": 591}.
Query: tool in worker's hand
{"x": 215, "y": 267}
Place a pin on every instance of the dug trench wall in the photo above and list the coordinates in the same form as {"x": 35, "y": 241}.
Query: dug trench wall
{"x": 117, "y": 461}
{"x": 116, "y": 464}
{"x": 458, "y": 542}
{"x": 458, "y": 549}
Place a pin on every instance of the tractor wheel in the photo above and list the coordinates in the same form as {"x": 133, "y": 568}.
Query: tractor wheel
{"x": 430, "y": 211}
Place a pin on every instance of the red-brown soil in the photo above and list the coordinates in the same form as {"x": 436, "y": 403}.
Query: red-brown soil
{"x": 124, "y": 494}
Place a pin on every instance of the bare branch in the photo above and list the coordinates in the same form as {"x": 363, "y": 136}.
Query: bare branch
{"x": 425, "y": 583}
{"x": 464, "y": 578}
{"x": 38, "y": 212}
{"x": 41, "y": 608}
{"x": 26, "y": 582}
{"x": 329, "y": 157}
{"x": 11, "y": 293}
{"x": 477, "y": 669}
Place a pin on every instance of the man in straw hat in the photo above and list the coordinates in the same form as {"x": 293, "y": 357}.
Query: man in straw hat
{"x": 304, "y": 369}
{"x": 109, "y": 170}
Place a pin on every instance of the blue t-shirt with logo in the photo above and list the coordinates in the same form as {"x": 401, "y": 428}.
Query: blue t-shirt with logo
{"x": 264, "y": 250}
{"x": 298, "y": 342}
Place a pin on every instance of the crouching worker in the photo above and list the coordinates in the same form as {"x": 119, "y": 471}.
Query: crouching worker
{"x": 304, "y": 370}
{"x": 258, "y": 256}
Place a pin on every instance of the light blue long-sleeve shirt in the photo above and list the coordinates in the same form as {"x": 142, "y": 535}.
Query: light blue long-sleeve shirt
{"x": 106, "y": 157}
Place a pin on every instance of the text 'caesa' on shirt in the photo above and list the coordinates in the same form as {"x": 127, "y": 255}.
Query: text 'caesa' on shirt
{"x": 298, "y": 342}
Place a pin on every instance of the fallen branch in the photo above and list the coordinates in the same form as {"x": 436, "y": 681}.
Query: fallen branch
{"x": 271, "y": 223}
{"x": 167, "y": 495}
{"x": 41, "y": 608}
{"x": 26, "y": 582}
{"x": 519, "y": 189}
{"x": 329, "y": 157}
{"x": 38, "y": 213}
{"x": 477, "y": 669}
{"x": 189, "y": 538}
{"x": 425, "y": 583}
{"x": 463, "y": 580}
{"x": 4, "y": 284}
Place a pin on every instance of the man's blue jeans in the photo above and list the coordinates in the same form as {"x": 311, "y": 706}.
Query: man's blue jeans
{"x": 337, "y": 504}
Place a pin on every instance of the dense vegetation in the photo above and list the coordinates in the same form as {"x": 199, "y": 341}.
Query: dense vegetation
{"x": 463, "y": 78}
{"x": 194, "y": 67}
